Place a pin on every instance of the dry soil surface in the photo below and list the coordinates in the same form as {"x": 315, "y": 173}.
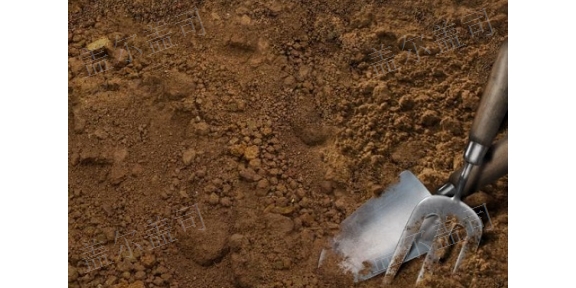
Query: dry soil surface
{"x": 227, "y": 156}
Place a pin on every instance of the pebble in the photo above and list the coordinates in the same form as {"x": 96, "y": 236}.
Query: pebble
{"x": 226, "y": 188}
{"x": 188, "y": 156}
{"x": 140, "y": 275}
{"x": 226, "y": 202}
{"x": 148, "y": 260}
{"x": 326, "y": 187}
{"x": 236, "y": 242}
{"x": 201, "y": 128}
{"x": 117, "y": 174}
{"x": 158, "y": 281}
{"x": 255, "y": 163}
{"x": 263, "y": 184}
{"x": 278, "y": 224}
{"x": 205, "y": 248}
{"x": 251, "y": 152}
{"x": 306, "y": 219}
{"x": 340, "y": 204}
{"x": 249, "y": 175}
{"x": 214, "y": 199}
{"x": 429, "y": 118}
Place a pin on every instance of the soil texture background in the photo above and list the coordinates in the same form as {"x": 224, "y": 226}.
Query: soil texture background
{"x": 228, "y": 155}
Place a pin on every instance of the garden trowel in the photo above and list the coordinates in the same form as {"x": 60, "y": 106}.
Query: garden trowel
{"x": 369, "y": 236}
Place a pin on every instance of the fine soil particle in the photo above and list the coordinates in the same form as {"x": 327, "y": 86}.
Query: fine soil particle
{"x": 228, "y": 154}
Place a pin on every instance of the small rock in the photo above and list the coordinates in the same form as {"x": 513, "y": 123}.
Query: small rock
{"x": 237, "y": 150}
{"x": 297, "y": 224}
{"x": 100, "y": 134}
{"x": 148, "y": 260}
{"x": 429, "y": 118}
{"x": 139, "y": 267}
{"x": 283, "y": 210}
{"x": 137, "y": 169}
{"x": 406, "y": 102}
{"x": 307, "y": 219}
{"x": 289, "y": 81}
{"x": 201, "y": 128}
{"x": 110, "y": 233}
{"x": 102, "y": 42}
{"x": 274, "y": 171}
{"x": 120, "y": 154}
{"x": 217, "y": 182}
{"x": 451, "y": 125}
{"x": 278, "y": 224}
{"x": 237, "y": 241}
{"x": 158, "y": 281}
{"x": 326, "y": 187}
{"x": 160, "y": 270}
{"x": 226, "y": 202}
{"x": 340, "y": 204}
{"x": 255, "y": 163}
{"x": 249, "y": 175}
{"x": 188, "y": 156}
{"x": 210, "y": 188}
{"x": 214, "y": 199}
{"x": 251, "y": 152}
{"x": 201, "y": 173}
{"x": 140, "y": 275}
{"x": 117, "y": 174}
{"x": 207, "y": 247}
{"x": 263, "y": 184}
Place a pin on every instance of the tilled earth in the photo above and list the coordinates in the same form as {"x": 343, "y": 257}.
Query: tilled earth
{"x": 227, "y": 156}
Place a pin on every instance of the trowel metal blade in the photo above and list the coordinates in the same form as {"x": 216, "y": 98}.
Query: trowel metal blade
{"x": 372, "y": 232}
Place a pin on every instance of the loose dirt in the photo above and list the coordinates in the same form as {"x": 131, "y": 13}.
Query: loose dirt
{"x": 227, "y": 156}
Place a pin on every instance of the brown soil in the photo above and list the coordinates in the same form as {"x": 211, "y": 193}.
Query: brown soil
{"x": 275, "y": 124}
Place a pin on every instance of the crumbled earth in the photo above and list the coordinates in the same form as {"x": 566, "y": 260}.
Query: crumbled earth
{"x": 267, "y": 129}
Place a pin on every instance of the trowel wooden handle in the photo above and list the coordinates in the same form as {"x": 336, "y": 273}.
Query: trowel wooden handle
{"x": 494, "y": 102}
{"x": 494, "y": 166}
